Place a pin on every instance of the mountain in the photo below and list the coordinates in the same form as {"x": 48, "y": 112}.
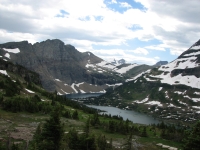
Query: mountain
{"x": 63, "y": 68}
{"x": 170, "y": 91}
{"x": 160, "y": 63}
{"x": 118, "y": 62}
{"x": 14, "y": 79}
{"x": 59, "y": 65}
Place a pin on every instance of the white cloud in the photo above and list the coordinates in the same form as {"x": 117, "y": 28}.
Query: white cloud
{"x": 177, "y": 23}
{"x": 114, "y": 1}
{"x": 140, "y": 51}
{"x": 128, "y": 55}
{"x": 87, "y": 23}
{"x": 160, "y": 47}
{"x": 125, "y": 4}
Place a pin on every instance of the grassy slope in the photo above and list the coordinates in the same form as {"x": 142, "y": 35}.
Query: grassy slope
{"x": 18, "y": 123}
{"x": 22, "y": 125}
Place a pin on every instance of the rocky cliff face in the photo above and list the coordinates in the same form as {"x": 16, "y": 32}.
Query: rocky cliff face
{"x": 55, "y": 62}
{"x": 17, "y": 70}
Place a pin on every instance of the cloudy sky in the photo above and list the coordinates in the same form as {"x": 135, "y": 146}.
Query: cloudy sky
{"x": 140, "y": 31}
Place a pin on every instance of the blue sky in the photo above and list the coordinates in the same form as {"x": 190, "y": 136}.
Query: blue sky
{"x": 139, "y": 31}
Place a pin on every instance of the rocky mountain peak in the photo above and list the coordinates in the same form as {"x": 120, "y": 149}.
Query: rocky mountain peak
{"x": 160, "y": 63}
{"x": 121, "y": 61}
{"x": 196, "y": 44}
{"x": 60, "y": 66}
{"x": 194, "y": 50}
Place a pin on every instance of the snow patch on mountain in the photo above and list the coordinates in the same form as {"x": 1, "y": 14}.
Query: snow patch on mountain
{"x": 182, "y": 103}
{"x": 102, "y": 91}
{"x": 195, "y": 99}
{"x": 58, "y": 80}
{"x": 197, "y": 93}
{"x": 72, "y": 86}
{"x": 195, "y": 47}
{"x": 160, "y": 88}
{"x": 64, "y": 91}
{"x": 89, "y": 65}
{"x": 191, "y": 81}
{"x": 178, "y": 92}
{"x": 82, "y": 91}
{"x": 196, "y": 107}
{"x": 139, "y": 75}
{"x": 117, "y": 84}
{"x": 181, "y": 63}
{"x": 171, "y": 105}
{"x": 107, "y": 65}
{"x": 154, "y": 103}
{"x": 4, "y": 72}
{"x": 7, "y": 55}
{"x": 143, "y": 101}
{"x": 192, "y": 54}
{"x": 79, "y": 84}
{"x": 125, "y": 69}
{"x": 14, "y": 50}
{"x": 29, "y": 91}
{"x": 104, "y": 66}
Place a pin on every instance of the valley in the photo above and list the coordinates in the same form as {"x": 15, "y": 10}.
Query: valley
{"x": 165, "y": 99}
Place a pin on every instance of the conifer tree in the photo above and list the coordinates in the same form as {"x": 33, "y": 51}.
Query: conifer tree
{"x": 128, "y": 144}
{"x": 73, "y": 140}
{"x": 101, "y": 142}
{"x": 144, "y": 132}
{"x": 110, "y": 144}
{"x": 75, "y": 115}
{"x": 87, "y": 127}
{"x": 193, "y": 138}
{"x": 95, "y": 120}
{"x": 111, "y": 126}
{"x": 52, "y": 132}
{"x": 36, "y": 138}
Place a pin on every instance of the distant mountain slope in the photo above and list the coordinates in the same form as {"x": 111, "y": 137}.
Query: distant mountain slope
{"x": 184, "y": 70}
{"x": 171, "y": 91}
{"x": 61, "y": 67}
{"x": 160, "y": 63}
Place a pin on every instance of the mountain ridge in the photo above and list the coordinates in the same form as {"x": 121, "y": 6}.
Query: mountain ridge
{"x": 170, "y": 91}
{"x": 51, "y": 59}
{"x": 61, "y": 67}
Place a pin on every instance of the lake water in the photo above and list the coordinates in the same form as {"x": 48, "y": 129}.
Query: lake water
{"x": 133, "y": 116}
{"x": 83, "y": 95}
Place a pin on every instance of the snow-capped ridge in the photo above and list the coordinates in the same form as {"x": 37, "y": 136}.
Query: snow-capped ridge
{"x": 176, "y": 72}
{"x": 115, "y": 67}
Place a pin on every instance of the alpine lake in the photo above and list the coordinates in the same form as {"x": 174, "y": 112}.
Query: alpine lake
{"x": 134, "y": 116}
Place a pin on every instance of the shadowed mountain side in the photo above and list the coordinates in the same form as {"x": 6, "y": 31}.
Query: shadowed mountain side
{"x": 52, "y": 60}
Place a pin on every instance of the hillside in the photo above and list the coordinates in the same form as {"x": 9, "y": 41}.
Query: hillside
{"x": 30, "y": 117}
{"x": 170, "y": 92}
